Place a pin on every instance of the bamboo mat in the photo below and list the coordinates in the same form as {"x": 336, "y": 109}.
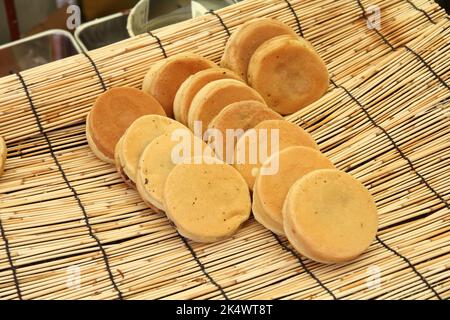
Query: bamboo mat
{"x": 385, "y": 119}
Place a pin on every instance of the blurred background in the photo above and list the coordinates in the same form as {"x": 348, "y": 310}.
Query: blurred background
{"x": 40, "y": 31}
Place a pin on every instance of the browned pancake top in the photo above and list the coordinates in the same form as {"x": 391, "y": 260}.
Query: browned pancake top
{"x": 114, "y": 111}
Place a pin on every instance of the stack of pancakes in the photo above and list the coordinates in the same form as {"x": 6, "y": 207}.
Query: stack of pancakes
{"x": 186, "y": 142}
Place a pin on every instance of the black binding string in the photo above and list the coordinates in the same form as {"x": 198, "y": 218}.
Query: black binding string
{"x": 421, "y": 10}
{"x": 202, "y": 267}
{"x": 69, "y": 185}
{"x": 227, "y": 30}
{"x": 427, "y": 66}
{"x": 333, "y": 83}
{"x": 297, "y": 19}
{"x": 96, "y": 70}
{"x": 10, "y": 260}
{"x": 186, "y": 243}
{"x": 411, "y": 266}
{"x": 302, "y": 263}
{"x": 412, "y": 167}
{"x": 385, "y": 40}
{"x": 159, "y": 43}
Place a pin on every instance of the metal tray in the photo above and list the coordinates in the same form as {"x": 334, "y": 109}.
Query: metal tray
{"x": 101, "y": 32}
{"x": 37, "y": 50}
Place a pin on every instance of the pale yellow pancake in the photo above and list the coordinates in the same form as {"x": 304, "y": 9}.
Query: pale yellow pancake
{"x": 292, "y": 163}
{"x": 160, "y": 157}
{"x": 206, "y": 202}
{"x": 192, "y": 85}
{"x": 247, "y": 38}
{"x": 288, "y": 73}
{"x": 138, "y": 136}
{"x": 3, "y": 154}
{"x": 330, "y": 217}
{"x": 242, "y": 116}
{"x": 166, "y": 76}
{"x": 215, "y": 96}
{"x": 289, "y": 135}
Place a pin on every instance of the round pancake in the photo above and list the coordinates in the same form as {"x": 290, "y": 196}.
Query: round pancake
{"x": 247, "y": 38}
{"x": 192, "y": 85}
{"x": 293, "y": 163}
{"x": 288, "y": 73}
{"x": 329, "y": 216}
{"x": 113, "y": 112}
{"x": 3, "y": 154}
{"x": 215, "y": 96}
{"x": 157, "y": 160}
{"x": 166, "y": 76}
{"x": 241, "y": 115}
{"x": 289, "y": 135}
{"x": 138, "y": 136}
{"x": 207, "y": 202}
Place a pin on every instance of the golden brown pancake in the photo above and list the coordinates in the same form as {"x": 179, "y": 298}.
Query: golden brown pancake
{"x": 192, "y": 85}
{"x": 292, "y": 164}
{"x": 289, "y": 135}
{"x": 288, "y": 73}
{"x": 166, "y": 76}
{"x": 329, "y": 216}
{"x": 247, "y": 38}
{"x": 241, "y": 115}
{"x": 113, "y": 112}
{"x": 3, "y": 154}
{"x": 215, "y": 96}
{"x": 93, "y": 146}
{"x": 207, "y": 202}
